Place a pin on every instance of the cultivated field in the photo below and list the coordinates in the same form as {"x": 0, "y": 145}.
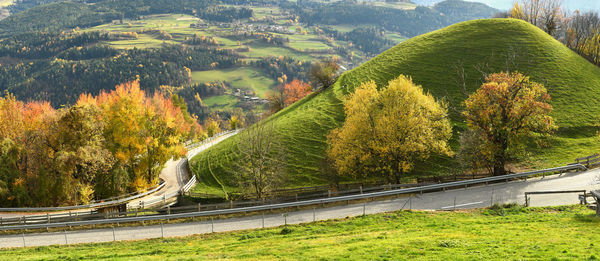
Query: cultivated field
{"x": 494, "y": 234}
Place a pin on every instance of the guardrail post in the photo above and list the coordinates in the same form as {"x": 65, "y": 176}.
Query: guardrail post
{"x": 361, "y": 191}
{"x": 230, "y": 203}
{"x": 198, "y": 207}
{"x": 329, "y": 193}
{"x": 169, "y": 210}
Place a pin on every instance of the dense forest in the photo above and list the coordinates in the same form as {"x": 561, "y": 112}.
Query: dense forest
{"x": 62, "y": 66}
{"x": 369, "y": 40}
{"x": 406, "y": 22}
{"x": 68, "y": 15}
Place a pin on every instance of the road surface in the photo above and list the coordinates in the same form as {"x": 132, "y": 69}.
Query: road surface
{"x": 175, "y": 175}
{"x": 474, "y": 197}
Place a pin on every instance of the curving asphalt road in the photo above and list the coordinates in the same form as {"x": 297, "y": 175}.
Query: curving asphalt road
{"x": 473, "y": 197}
{"x": 175, "y": 174}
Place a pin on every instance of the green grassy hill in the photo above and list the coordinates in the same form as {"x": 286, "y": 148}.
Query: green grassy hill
{"x": 491, "y": 45}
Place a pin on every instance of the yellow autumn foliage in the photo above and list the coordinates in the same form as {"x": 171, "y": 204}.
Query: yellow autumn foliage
{"x": 386, "y": 131}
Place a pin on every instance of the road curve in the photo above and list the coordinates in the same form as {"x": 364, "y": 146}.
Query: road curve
{"x": 175, "y": 174}
{"x": 474, "y": 197}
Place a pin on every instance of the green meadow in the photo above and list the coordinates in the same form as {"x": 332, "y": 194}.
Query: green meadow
{"x": 500, "y": 233}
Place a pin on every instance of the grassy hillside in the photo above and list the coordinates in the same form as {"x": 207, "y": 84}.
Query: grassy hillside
{"x": 431, "y": 59}
{"x": 469, "y": 235}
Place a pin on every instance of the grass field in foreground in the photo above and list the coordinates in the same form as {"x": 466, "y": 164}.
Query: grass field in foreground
{"x": 512, "y": 233}
{"x": 431, "y": 60}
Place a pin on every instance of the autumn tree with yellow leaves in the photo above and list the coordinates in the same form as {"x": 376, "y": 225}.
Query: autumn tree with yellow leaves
{"x": 101, "y": 147}
{"x": 386, "y": 131}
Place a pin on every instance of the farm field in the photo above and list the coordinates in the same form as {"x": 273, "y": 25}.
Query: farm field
{"x": 221, "y": 101}
{"x": 499, "y": 233}
{"x": 239, "y": 78}
{"x": 4, "y": 3}
{"x": 431, "y": 60}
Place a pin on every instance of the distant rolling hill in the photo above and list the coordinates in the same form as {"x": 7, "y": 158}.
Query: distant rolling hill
{"x": 431, "y": 60}
{"x": 571, "y": 5}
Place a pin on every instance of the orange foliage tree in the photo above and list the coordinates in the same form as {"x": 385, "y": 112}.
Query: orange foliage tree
{"x": 507, "y": 108}
{"x": 103, "y": 146}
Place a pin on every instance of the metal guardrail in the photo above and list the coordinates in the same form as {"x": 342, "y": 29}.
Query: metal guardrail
{"x": 94, "y": 205}
{"x": 301, "y": 203}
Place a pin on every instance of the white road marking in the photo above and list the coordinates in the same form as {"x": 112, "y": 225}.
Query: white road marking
{"x": 462, "y": 205}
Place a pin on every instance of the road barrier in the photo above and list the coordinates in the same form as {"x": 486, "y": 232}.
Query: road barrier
{"x": 94, "y": 205}
{"x": 421, "y": 189}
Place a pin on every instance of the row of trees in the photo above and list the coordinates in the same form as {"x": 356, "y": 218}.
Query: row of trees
{"x": 103, "y": 146}
{"x": 388, "y": 131}
{"x": 579, "y": 31}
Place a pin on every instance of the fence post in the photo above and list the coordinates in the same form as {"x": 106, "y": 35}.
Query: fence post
{"x": 364, "y": 208}
{"x": 23, "y": 234}
{"x": 410, "y": 203}
{"x": 314, "y": 215}
{"x": 66, "y": 241}
{"x": 263, "y": 219}
{"x": 169, "y": 210}
{"x": 230, "y": 203}
{"x": 47, "y": 217}
{"x": 454, "y": 209}
{"x": 492, "y": 199}
{"x": 361, "y": 191}
{"x": 114, "y": 237}
{"x": 198, "y": 207}
{"x": 212, "y": 225}
{"x": 329, "y": 193}
{"x": 162, "y": 230}
{"x": 526, "y": 203}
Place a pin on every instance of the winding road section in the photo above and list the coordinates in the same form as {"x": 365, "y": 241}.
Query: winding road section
{"x": 175, "y": 177}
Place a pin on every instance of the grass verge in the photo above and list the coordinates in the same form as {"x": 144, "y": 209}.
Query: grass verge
{"x": 511, "y": 232}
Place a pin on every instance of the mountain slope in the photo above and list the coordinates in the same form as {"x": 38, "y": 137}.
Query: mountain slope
{"x": 432, "y": 60}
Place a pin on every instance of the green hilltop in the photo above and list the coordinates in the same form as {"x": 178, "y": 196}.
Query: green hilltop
{"x": 478, "y": 47}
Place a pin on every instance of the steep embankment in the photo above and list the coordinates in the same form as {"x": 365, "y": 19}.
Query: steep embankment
{"x": 481, "y": 46}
